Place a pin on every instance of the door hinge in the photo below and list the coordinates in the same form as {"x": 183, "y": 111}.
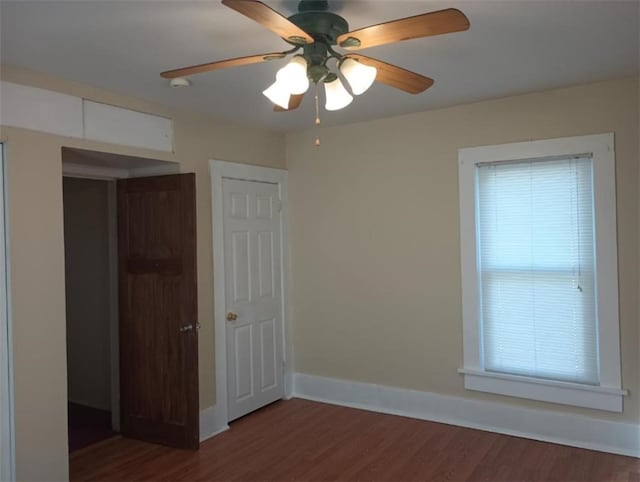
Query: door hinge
{"x": 279, "y": 206}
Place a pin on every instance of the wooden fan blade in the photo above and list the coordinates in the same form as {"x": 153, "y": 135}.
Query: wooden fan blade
{"x": 434, "y": 23}
{"x": 222, "y": 64}
{"x": 269, "y": 18}
{"x": 396, "y": 76}
{"x": 294, "y": 103}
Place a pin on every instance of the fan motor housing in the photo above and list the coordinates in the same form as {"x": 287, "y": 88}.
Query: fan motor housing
{"x": 322, "y": 26}
{"x": 315, "y": 5}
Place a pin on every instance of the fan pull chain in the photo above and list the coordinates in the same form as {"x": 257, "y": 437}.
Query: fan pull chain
{"x": 317, "y": 142}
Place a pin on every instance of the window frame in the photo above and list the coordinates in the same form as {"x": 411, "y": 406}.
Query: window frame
{"x": 608, "y": 395}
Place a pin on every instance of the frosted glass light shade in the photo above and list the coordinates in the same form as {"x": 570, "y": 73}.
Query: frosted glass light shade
{"x": 336, "y": 95}
{"x": 359, "y": 76}
{"x": 294, "y": 75}
{"x": 278, "y": 93}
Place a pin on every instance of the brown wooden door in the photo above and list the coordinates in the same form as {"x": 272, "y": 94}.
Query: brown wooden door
{"x": 158, "y": 310}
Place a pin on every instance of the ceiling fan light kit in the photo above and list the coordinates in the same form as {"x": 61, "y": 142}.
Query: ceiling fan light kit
{"x": 278, "y": 94}
{"x": 294, "y": 75}
{"x": 359, "y": 76}
{"x": 336, "y": 96}
{"x": 316, "y": 31}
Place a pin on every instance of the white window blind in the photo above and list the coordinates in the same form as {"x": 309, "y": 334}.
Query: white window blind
{"x": 536, "y": 268}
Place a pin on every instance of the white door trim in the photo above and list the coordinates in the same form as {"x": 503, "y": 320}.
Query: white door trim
{"x": 7, "y": 440}
{"x": 232, "y": 170}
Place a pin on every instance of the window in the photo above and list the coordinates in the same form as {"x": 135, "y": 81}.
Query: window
{"x": 539, "y": 269}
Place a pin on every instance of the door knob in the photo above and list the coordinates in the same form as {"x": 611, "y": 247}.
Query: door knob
{"x": 232, "y": 316}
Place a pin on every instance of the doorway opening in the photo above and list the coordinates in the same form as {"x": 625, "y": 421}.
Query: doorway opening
{"x": 92, "y": 356}
{"x": 91, "y": 287}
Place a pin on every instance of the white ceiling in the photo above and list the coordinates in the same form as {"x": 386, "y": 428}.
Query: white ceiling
{"x": 513, "y": 46}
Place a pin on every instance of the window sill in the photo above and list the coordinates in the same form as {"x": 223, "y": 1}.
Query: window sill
{"x": 566, "y": 393}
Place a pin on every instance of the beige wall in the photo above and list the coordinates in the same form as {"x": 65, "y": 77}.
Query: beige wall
{"x": 37, "y": 257}
{"x": 86, "y": 247}
{"x": 376, "y": 290}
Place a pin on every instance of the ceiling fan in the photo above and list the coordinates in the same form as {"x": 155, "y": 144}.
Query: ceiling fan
{"x": 313, "y": 32}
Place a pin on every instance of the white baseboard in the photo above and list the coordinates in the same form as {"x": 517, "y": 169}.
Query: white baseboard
{"x": 209, "y": 426}
{"x": 556, "y": 427}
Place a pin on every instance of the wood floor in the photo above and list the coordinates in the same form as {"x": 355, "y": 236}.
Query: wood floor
{"x": 309, "y": 441}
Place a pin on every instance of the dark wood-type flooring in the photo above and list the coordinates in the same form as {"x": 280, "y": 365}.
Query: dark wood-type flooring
{"x": 309, "y": 441}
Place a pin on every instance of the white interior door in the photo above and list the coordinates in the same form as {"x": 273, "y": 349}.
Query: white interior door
{"x": 254, "y": 329}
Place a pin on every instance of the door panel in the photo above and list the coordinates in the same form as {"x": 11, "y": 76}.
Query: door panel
{"x": 265, "y": 264}
{"x": 243, "y": 337}
{"x": 241, "y": 274}
{"x": 251, "y": 227}
{"x": 268, "y": 351}
{"x": 158, "y": 310}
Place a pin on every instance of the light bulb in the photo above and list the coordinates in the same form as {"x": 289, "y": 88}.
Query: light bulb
{"x": 278, "y": 93}
{"x": 336, "y": 95}
{"x": 294, "y": 75}
{"x": 359, "y": 76}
